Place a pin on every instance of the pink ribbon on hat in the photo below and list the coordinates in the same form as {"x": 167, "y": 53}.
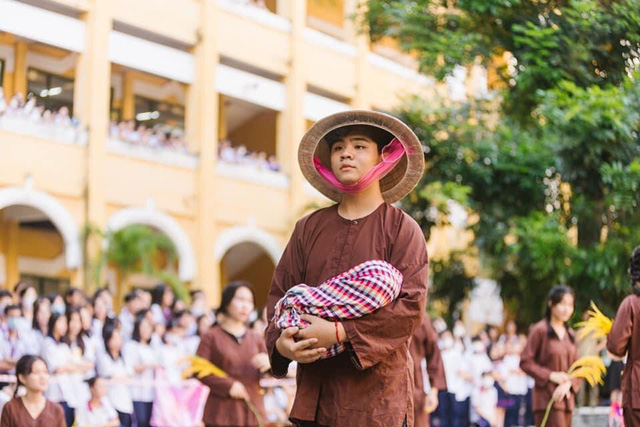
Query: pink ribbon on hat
{"x": 392, "y": 153}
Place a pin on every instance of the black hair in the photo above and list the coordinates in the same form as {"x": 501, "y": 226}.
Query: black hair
{"x": 52, "y": 323}
{"x": 157, "y": 294}
{"x": 554, "y": 297}
{"x": 91, "y": 381}
{"x": 111, "y": 324}
{"x": 379, "y": 135}
{"x": 69, "y": 294}
{"x": 230, "y": 291}
{"x": 10, "y": 307}
{"x": 19, "y": 284}
{"x": 5, "y": 293}
{"x": 130, "y": 296}
{"x": 36, "y": 307}
{"x": 100, "y": 291}
{"x": 140, "y": 317}
{"x": 194, "y": 292}
{"x": 634, "y": 270}
{"x": 79, "y": 341}
{"x": 25, "y": 367}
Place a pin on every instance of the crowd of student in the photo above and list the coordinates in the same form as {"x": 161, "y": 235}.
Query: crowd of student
{"x": 241, "y": 156}
{"x": 26, "y": 116}
{"x": 159, "y": 136}
{"x": 105, "y": 367}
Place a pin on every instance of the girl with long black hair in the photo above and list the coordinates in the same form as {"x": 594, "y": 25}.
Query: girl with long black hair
{"x": 549, "y": 353}
{"x": 32, "y": 409}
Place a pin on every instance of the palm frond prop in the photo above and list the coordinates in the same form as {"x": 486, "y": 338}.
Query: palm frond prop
{"x": 598, "y": 324}
{"x": 589, "y": 368}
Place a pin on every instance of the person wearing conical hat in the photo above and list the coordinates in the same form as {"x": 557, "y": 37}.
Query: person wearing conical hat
{"x": 364, "y": 161}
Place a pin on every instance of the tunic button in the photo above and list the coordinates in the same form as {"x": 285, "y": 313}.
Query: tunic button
{"x": 355, "y": 222}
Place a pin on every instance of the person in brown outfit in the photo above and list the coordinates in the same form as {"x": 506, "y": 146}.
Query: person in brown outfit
{"x": 549, "y": 353}
{"x": 240, "y": 352}
{"x": 424, "y": 345}
{"x": 370, "y": 384}
{"x": 32, "y": 409}
{"x": 624, "y": 338}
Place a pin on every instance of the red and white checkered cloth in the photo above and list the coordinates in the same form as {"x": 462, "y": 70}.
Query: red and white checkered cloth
{"x": 350, "y": 295}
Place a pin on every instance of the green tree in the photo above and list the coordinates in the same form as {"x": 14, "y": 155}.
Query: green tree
{"x": 561, "y": 150}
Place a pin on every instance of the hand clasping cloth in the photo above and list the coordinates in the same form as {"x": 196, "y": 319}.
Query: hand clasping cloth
{"x": 350, "y": 295}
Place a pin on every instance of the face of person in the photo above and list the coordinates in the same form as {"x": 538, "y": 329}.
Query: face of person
{"x": 145, "y": 330}
{"x": 44, "y": 312}
{"x": 60, "y": 327}
{"x": 75, "y": 324}
{"x": 167, "y": 298}
{"x": 29, "y": 298}
{"x": 241, "y": 305}
{"x": 100, "y": 309}
{"x": 204, "y": 324}
{"x": 564, "y": 309}
{"x": 38, "y": 379}
{"x": 99, "y": 388}
{"x": 352, "y": 157}
{"x": 115, "y": 342}
{"x": 85, "y": 317}
{"x": 13, "y": 319}
{"x": 107, "y": 299}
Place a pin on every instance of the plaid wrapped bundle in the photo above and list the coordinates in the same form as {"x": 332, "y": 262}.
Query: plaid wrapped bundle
{"x": 352, "y": 294}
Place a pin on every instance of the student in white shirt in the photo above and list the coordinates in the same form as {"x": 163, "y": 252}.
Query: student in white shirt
{"x": 142, "y": 357}
{"x": 82, "y": 356}
{"x": 516, "y": 382}
{"x": 173, "y": 350}
{"x": 98, "y": 411}
{"x": 132, "y": 304}
{"x": 41, "y": 314}
{"x": 459, "y": 382}
{"x": 12, "y": 346}
{"x": 111, "y": 365}
{"x": 59, "y": 359}
{"x": 484, "y": 402}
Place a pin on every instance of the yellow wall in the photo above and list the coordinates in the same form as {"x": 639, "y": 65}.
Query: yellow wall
{"x": 331, "y": 11}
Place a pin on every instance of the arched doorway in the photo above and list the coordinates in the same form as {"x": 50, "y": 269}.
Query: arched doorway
{"x": 251, "y": 254}
{"x": 39, "y": 241}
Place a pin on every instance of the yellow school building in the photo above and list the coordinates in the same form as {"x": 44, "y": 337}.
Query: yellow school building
{"x": 252, "y": 74}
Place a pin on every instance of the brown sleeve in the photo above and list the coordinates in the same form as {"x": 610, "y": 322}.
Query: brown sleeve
{"x": 286, "y": 275}
{"x": 618, "y": 339}
{"x": 7, "y": 415}
{"x": 218, "y": 386}
{"x": 528, "y": 362}
{"x": 374, "y": 336}
{"x": 435, "y": 366}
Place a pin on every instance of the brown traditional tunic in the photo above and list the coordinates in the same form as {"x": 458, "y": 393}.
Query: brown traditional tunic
{"x": 424, "y": 345}
{"x": 545, "y": 353}
{"x": 15, "y": 414}
{"x": 625, "y": 338}
{"x": 372, "y": 383}
{"x": 234, "y": 358}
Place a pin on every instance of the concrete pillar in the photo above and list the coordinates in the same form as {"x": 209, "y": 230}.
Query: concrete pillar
{"x": 11, "y": 230}
{"x": 94, "y": 61}
{"x": 205, "y": 130}
{"x": 291, "y": 123}
{"x": 20, "y": 68}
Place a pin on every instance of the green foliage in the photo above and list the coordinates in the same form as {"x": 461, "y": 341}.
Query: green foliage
{"x": 135, "y": 249}
{"x": 561, "y": 151}
{"x": 450, "y": 284}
